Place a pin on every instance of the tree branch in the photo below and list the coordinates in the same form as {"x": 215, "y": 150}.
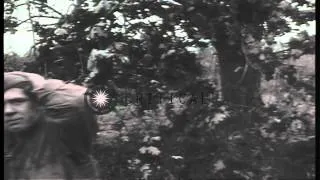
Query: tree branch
{"x": 49, "y": 24}
{"x": 30, "y": 19}
{"x": 24, "y": 21}
{"x": 42, "y": 16}
{"x": 20, "y": 5}
{"x": 46, "y": 5}
{"x": 5, "y": 57}
{"x": 282, "y": 50}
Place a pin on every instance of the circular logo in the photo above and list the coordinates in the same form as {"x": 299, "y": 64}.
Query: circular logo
{"x": 98, "y": 99}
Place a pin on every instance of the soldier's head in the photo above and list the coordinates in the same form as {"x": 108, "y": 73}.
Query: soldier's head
{"x": 20, "y": 104}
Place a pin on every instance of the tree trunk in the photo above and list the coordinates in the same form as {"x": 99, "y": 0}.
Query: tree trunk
{"x": 240, "y": 85}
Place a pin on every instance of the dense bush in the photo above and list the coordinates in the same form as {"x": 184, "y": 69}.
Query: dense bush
{"x": 258, "y": 122}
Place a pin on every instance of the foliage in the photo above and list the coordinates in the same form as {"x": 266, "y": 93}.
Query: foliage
{"x": 13, "y": 62}
{"x": 258, "y": 131}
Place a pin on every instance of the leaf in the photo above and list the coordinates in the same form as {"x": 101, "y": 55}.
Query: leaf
{"x": 218, "y": 118}
{"x": 143, "y": 150}
{"x": 219, "y": 165}
{"x": 124, "y": 59}
{"x": 171, "y": 51}
{"x": 268, "y": 99}
{"x": 154, "y": 81}
{"x": 60, "y": 32}
{"x": 284, "y": 5}
{"x": 146, "y": 139}
{"x": 150, "y": 150}
{"x": 154, "y": 150}
{"x": 145, "y": 167}
{"x": 241, "y": 174}
{"x": 237, "y": 69}
{"x": 125, "y": 138}
{"x": 156, "y": 138}
{"x": 165, "y": 6}
{"x": 262, "y": 57}
{"x": 177, "y": 157}
{"x": 254, "y": 51}
{"x": 170, "y": 2}
{"x": 106, "y": 5}
{"x": 190, "y": 9}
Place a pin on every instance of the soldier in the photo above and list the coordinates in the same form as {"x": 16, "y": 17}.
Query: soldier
{"x": 48, "y": 135}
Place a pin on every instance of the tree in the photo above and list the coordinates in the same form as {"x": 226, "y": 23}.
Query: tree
{"x": 235, "y": 28}
{"x": 146, "y": 46}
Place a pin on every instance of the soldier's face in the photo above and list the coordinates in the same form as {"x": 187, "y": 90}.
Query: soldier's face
{"x": 19, "y": 110}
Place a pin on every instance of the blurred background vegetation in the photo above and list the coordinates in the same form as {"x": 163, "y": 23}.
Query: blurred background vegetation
{"x": 258, "y": 123}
